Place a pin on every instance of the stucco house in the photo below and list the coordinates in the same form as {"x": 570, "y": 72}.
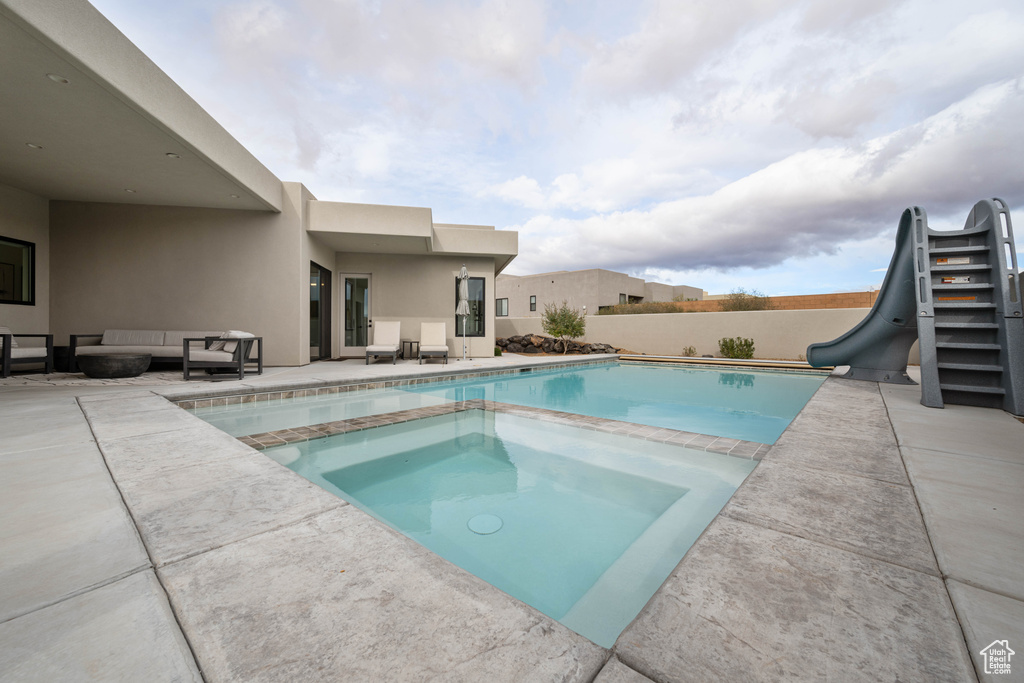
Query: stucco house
{"x": 524, "y": 296}
{"x": 138, "y": 210}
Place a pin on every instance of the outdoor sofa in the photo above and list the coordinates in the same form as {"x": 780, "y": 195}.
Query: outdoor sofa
{"x": 227, "y": 351}
{"x": 13, "y": 354}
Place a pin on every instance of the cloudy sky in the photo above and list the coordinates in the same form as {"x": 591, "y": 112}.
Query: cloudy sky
{"x": 759, "y": 144}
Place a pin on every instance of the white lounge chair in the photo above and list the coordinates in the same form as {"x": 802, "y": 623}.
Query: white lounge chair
{"x": 433, "y": 341}
{"x": 387, "y": 339}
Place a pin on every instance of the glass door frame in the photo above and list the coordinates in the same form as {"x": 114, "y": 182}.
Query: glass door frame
{"x": 324, "y": 310}
{"x": 346, "y": 350}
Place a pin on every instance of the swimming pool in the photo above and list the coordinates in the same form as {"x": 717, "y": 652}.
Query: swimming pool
{"x": 583, "y": 526}
{"x": 747, "y": 405}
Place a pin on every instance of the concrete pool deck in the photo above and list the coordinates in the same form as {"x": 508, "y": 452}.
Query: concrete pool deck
{"x": 878, "y": 539}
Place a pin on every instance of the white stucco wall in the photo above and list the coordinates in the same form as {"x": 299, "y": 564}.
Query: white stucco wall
{"x": 25, "y": 216}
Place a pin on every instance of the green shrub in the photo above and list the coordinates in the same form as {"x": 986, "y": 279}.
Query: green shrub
{"x": 690, "y": 351}
{"x": 738, "y": 347}
{"x": 563, "y": 322}
{"x": 497, "y": 350}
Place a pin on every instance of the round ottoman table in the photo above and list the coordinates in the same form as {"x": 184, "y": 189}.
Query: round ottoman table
{"x": 114, "y": 365}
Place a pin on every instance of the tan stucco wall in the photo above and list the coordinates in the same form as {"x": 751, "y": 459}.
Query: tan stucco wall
{"x": 415, "y": 289}
{"x": 25, "y": 216}
{"x": 592, "y": 288}
{"x": 776, "y": 334}
{"x": 151, "y": 267}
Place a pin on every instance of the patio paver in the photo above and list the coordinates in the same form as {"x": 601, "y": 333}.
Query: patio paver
{"x": 123, "y": 631}
{"x": 750, "y": 603}
{"x": 342, "y": 586}
{"x": 65, "y": 529}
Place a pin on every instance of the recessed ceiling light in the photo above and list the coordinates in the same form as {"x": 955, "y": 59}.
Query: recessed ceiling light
{"x": 57, "y": 78}
{"x": 172, "y": 155}
{"x": 33, "y": 145}
{"x": 129, "y": 190}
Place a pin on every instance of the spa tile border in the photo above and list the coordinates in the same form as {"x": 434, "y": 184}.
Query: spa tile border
{"x": 212, "y": 396}
{"x": 747, "y": 450}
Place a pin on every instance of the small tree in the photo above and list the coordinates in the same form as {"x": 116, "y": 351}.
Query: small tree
{"x": 742, "y": 300}
{"x": 563, "y": 322}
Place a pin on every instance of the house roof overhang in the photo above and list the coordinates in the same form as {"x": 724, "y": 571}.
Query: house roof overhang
{"x": 379, "y": 229}
{"x": 88, "y": 117}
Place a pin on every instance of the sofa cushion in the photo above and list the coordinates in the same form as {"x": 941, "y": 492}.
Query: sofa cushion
{"x": 133, "y": 338}
{"x": 230, "y": 346}
{"x": 176, "y": 337}
{"x": 155, "y": 351}
{"x": 14, "y": 342}
{"x": 29, "y": 352}
{"x": 210, "y": 356}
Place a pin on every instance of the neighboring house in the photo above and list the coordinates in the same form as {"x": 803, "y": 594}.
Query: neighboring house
{"x": 138, "y": 210}
{"x": 524, "y": 296}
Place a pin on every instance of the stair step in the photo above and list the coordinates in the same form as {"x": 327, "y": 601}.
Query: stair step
{"x": 958, "y": 250}
{"x": 972, "y": 389}
{"x": 969, "y": 366}
{"x": 967, "y": 345}
{"x": 963, "y": 304}
{"x": 972, "y": 266}
{"x": 967, "y": 326}
{"x": 944, "y": 287}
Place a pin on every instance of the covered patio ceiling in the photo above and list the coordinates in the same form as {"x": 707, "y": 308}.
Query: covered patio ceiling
{"x": 86, "y": 116}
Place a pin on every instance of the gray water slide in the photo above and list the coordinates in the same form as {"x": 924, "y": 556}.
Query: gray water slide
{"x": 878, "y": 347}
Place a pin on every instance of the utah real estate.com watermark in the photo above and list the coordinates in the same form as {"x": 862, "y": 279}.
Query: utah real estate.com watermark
{"x": 997, "y": 657}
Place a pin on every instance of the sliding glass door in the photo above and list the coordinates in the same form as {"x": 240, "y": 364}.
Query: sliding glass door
{"x": 319, "y": 312}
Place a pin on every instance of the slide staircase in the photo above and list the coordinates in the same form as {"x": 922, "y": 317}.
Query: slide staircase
{"x": 956, "y": 292}
{"x": 970, "y": 319}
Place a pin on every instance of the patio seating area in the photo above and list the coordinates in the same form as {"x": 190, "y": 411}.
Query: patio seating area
{"x": 878, "y": 539}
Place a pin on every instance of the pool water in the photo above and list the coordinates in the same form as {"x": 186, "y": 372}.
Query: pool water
{"x": 582, "y": 526}
{"x": 745, "y": 405}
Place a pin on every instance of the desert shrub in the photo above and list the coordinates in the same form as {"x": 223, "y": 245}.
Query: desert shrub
{"x": 497, "y": 350}
{"x": 742, "y": 300}
{"x": 689, "y": 350}
{"x": 683, "y": 297}
{"x": 563, "y": 322}
{"x": 632, "y": 309}
{"x": 738, "y": 347}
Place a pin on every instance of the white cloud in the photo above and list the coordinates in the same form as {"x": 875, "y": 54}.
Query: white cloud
{"x": 712, "y": 140}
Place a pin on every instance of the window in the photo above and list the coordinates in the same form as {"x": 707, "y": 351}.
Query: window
{"x": 622, "y": 298}
{"x": 501, "y": 307}
{"x": 17, "y": 272}
{"x": 475, "y": 319}
{"x": 533, "y": 303}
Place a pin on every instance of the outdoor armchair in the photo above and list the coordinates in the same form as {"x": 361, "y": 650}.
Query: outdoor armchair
{"x": 433, "y": 341}
{"x": 229, "y": 353}
{"x": 12, "y": 354}
{"x": 387, "y": 339}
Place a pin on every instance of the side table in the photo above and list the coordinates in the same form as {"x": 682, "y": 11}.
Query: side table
{"x": 414, "y": 348}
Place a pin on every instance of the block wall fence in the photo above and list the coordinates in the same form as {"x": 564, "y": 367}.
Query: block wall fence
{"x": 777, "y": 334}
